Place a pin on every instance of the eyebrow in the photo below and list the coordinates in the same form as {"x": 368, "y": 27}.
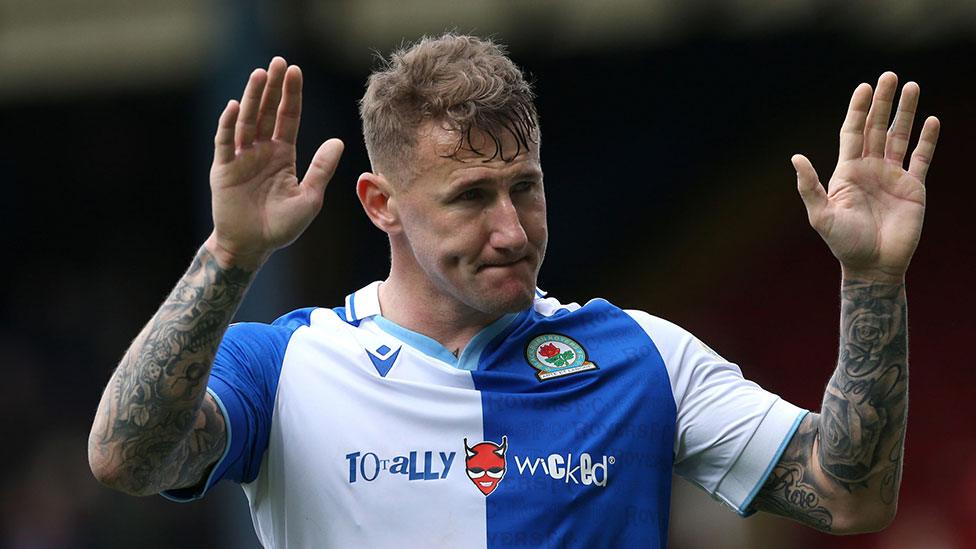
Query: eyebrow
{"x": 521, "y": 175}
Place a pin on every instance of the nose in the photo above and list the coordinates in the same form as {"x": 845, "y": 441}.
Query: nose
{"x": 506, "y": 228}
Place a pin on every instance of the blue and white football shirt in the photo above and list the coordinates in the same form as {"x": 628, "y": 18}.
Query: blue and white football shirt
{"x": 557, "y": 426}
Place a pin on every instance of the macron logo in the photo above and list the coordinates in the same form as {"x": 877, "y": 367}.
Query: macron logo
{"x": 383, "y": 358}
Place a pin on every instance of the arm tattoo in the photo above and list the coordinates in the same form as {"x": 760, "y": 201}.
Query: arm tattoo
{"x": 866, "y": 403}
{"x": 154, "y": 427}
{"x": 859, "y": 435}
{"x": 790, "y": 491}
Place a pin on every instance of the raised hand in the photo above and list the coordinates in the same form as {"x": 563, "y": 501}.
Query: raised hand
{"x": 259, "y": 205}
{"x": 871, "y": 213}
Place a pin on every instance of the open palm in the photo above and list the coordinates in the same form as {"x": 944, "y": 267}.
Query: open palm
{"x": 259, "y": 204}
{"x": 871, "y": 213}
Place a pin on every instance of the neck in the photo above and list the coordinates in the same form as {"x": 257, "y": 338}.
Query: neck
{"x": 417, "y": 306}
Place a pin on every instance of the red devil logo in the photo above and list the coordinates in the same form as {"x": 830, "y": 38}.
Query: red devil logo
{"x": 485, "y": 464}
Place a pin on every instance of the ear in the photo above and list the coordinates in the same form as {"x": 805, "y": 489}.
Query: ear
{"x": 376, "y": 194}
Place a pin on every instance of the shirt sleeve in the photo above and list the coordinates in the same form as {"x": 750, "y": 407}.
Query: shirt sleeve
{"x": 730, "y": 432}
{"x": 244, "y": 382}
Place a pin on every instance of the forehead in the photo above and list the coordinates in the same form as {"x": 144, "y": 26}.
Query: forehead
{"x": 446, "y": 152}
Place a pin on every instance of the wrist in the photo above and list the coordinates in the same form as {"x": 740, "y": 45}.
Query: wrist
{"x": 227, "y": 259}
{"x": 872, "y": 275}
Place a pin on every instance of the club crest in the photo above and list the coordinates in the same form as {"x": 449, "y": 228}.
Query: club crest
{"x": 555, "y": 355}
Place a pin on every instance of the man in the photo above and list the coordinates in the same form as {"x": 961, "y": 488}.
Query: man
{"x": 453, "y": 404}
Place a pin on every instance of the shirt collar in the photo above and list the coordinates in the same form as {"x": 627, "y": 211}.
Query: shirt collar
{"x": 365, "y": 302}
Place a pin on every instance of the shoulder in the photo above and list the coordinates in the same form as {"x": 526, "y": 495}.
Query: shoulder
{"x": 666, "y": 335}
{"x": 258, "y": 344}
{"x": 283, "y": 326}
{"x": 639, "y": 334}
{"x": 634, "y": 331}
{"x": 657, "y": 325}
{"x": 599, "y": 310}
{"x": 546, "y": 305}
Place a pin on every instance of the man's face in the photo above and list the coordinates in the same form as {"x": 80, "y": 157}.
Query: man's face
{"x": 476, "y": 226}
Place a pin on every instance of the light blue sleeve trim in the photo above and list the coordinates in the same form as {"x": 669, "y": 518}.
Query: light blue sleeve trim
{"x": 744, "y": 510}
{"x": 422, "y": 343}
{"x": 210, "y": 478}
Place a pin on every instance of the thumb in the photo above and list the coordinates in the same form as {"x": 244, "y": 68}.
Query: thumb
{"x": 322, "y": 168}
{"x": 808, "y": 184}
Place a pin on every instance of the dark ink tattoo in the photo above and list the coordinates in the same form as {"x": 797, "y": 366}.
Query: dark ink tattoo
{"x": 796, "y": 499}
{"x": 158, "y": 430}
{"x": 892, "y": 474}
{"x": 789, "y": 491}
{"x": 864, "y": 409}
{"x": 859, "y": 435}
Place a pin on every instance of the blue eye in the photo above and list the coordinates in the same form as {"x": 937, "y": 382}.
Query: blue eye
{"x": 523, "y": 186}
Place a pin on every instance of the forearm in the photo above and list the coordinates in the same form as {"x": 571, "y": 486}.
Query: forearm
{"x": 141, "y": 434}
{"x": 865, "y": 408}
{"x": 841, "y": 471}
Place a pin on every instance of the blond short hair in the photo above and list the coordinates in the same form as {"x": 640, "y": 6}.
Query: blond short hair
{"x": 461, "y": 82}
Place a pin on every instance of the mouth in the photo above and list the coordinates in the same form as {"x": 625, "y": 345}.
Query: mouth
{"x": 503, "y": 265}
{"x": 485, "y": 484}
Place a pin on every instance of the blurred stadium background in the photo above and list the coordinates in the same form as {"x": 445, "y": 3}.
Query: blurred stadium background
{"x": 668, "y": 128}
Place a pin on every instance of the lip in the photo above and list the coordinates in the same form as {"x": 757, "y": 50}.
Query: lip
{"x": 502, "y": 265}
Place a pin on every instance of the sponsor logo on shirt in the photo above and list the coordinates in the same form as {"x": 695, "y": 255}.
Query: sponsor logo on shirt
{"x": 485, "y": 464}
{"x": 578, "y": 469}
{"x": 416, "y": 465}
{"x": 556, "y": 355}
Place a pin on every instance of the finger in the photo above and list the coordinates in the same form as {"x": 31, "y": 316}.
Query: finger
{"x": 922, "y": 157}
{"x": 322, "y": 168}
{"x": 271, "y": 98}
{"x": 290, "y": 111}
{"x": 901, "y": 128}
{"x": 877, "y": 122}
{"x": 808, "y": 184}
{"x": 224, "y": 140}
{"x": 248, "y": 118}
{"x": 852, "y": 131}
